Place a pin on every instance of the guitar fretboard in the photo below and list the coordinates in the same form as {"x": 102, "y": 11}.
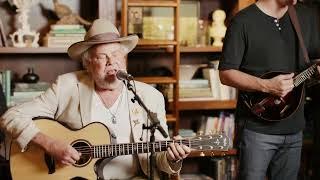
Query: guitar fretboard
{"x": 112, "y": 150}
{"x": 304, "y": 75}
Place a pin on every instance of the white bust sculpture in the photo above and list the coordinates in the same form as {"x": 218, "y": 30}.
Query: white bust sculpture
{"x": 218, "y": 29}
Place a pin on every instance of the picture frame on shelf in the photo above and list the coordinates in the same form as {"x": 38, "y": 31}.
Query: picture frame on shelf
{"x": 135, "y": 20}
{"x": 3, "y": 40}
{"x": 189, "y": 16}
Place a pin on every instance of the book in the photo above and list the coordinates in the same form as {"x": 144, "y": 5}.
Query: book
{"x": 26, "y": 94}
{"x": 66, "y": 26}
{"x": 6, "y": 79}
{"x": 83, "y": 31}
{"x": 194, "y": 83}
{"x": 219, "y": 90}
{"x": 39, "y": 86}
{"x": 190, "y": 92}
{"x": 213, "y": 76}
{"x": 51, "y": 34}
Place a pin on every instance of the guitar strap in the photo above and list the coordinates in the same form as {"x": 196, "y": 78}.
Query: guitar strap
{"x": 294, "y": 19}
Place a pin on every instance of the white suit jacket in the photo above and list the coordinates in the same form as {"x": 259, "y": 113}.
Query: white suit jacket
{"x": 69, "y": 102}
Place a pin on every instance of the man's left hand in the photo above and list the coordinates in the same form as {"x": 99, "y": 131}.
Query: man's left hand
{"x": 176, "y": 152}
{"x": 318, "y": 67}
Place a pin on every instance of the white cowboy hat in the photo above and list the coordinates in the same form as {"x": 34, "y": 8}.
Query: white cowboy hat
{"x": 101, "y": 31}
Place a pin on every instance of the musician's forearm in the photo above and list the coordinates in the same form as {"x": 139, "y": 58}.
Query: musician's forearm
{"x": 42, "y": 141}
{"x": 243, "y": 81}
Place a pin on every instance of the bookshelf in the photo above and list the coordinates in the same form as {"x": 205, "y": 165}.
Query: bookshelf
{"x": 40, "y": 50}
{"x": 206, "y": 49}
{"x": 154, "y": 44}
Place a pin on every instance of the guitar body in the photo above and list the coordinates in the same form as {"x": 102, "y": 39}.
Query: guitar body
{"x": 272, "y": 108}
{"x": 31, "y": 164}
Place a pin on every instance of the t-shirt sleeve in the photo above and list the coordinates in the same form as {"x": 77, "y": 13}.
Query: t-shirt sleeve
{"x": 233, "y": 47}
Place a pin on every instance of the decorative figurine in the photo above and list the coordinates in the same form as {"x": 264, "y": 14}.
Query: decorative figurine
{"x": 218, "y": 29}
{"x": 66, "y": 15}
{"x": 24, "y": 37}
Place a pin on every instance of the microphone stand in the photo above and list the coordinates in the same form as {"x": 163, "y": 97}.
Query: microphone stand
{"x": 155, "y": 124}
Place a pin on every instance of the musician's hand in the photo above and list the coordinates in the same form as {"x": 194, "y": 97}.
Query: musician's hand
{"x": 318, "y": 67}
{"x": 176, "y": 152}
{"x": 280, "y": 85}
{"x": 61, "y": 151}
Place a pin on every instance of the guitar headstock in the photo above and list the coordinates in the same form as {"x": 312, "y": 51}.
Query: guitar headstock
{"x": 218, "y": 141}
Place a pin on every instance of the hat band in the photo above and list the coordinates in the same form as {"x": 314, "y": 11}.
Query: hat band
{"x": 103, "y": 37}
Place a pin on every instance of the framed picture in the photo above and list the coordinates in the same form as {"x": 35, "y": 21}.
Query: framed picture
{"x": 135, "y": 21}
{"x": 3, "y": 41}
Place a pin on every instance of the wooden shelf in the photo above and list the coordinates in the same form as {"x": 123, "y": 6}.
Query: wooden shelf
{"x": 39, "y": 50}
{"x": 206, "y": 104}
{"x": 157, "y": 3}
{"x": 149, "y": 42}
{"x": 157, "y": 80}
{"x": 185, "y": 49}
{"x": 212, "y": 153}
{"x": 168, "y": 49}
{"x": 171, "y": 118}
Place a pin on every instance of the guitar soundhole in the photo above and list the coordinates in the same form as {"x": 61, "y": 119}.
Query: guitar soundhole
{"x": 85, "y": 149}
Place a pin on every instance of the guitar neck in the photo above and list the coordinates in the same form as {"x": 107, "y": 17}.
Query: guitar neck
{"x": 304, "y": 75}
{"x": 112, "y": 150}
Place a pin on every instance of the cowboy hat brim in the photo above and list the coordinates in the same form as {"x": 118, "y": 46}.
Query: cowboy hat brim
{"x": 75, "y": 50}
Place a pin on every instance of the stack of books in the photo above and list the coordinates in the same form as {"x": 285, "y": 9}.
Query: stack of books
{"x": 24, "y": 92}
{"x": 219, "y": 90}
{"x": 64, "y": 35}
{"x": 193, "y": 88}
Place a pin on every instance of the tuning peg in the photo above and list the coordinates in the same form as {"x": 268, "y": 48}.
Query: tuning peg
{"x": 200, "y": 133}
{"x": 202, "y": 154}
{"x": 212, "y": 154}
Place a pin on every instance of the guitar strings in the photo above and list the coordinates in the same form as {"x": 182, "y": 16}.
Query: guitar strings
{"x": 304, "y": 75}
{"x": 85, "y": 150}
{"x": 131, "y": 145}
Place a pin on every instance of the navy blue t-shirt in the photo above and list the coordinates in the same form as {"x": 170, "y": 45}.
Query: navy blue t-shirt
{"x": 257, "y": 43}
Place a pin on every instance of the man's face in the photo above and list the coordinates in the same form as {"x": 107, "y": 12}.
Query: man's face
{"x": 104, "y": 62}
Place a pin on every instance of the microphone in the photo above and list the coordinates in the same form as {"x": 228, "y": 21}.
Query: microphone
{"x": 122, "y": 75}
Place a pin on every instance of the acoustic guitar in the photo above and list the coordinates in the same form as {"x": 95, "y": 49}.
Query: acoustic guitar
{"x": 93, "y": 141}
{"x": 273, "y": 108}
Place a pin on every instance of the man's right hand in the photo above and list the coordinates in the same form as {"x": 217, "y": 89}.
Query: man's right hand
{"x": 61, "y": 151}
{"x": 280, "y": 85}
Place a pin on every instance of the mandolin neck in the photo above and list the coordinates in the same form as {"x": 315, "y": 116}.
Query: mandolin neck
{"x": 304, "y": 75}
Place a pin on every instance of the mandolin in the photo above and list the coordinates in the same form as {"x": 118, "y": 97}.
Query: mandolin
{"x": 273, "y": 108}
{"x": 94, "y": 143}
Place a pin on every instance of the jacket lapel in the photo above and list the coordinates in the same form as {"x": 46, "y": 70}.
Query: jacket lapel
{"x": 86, "y": 87}
{"x": 137, "y": 117}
